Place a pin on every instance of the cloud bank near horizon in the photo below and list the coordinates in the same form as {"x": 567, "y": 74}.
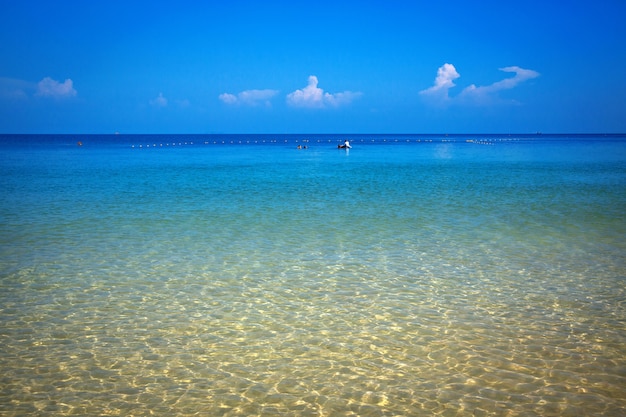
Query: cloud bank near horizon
{"x": 159, "y": 101}
{"x": 447, "y": 73}
{"x": 55, "y": 89}
{"x": 12, "y": 88}
{"x": 312, "y": 96}
{"x": 250, "y": 97}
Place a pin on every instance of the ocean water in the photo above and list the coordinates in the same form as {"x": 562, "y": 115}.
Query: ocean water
{"x": 237, "y": 275}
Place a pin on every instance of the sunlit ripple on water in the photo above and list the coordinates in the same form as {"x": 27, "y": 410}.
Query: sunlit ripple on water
{"x": 290, "y": 310}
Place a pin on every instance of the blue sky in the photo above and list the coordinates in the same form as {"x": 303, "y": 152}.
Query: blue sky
{"x": 313, "y": 67}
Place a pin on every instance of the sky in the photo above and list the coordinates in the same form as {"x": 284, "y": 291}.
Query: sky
{"x": 237, "y": 66}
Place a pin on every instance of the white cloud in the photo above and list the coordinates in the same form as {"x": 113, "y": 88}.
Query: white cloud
{"x": 228, "y": 98}
{"x": 314, "y": 97}
{"x": 250, "y": 97}
{"x": 446, "y": 74}
{"x": 339, "y": 99}
{"x": 159, "y": 101}
{"x": 482, "y": 92}
{"x": 309, "y": 96}
{"x": 52, "y": 88}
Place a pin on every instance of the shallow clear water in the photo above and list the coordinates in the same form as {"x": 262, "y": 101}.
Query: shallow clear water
{"x": 240, "y": 276}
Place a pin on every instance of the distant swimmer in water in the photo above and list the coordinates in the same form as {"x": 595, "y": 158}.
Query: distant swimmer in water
{"x": 346, "y": 145}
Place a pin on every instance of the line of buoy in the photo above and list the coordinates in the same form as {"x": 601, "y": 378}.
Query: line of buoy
{"x": 276, "y": 141}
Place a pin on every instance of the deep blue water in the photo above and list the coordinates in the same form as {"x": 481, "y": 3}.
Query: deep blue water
{"x": 240, "y": 275}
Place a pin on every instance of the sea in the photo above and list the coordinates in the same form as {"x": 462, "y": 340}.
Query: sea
{"x": 277, "y": 275}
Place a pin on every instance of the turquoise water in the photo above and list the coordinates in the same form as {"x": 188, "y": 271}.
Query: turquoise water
{"x": 240, "y": 276}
